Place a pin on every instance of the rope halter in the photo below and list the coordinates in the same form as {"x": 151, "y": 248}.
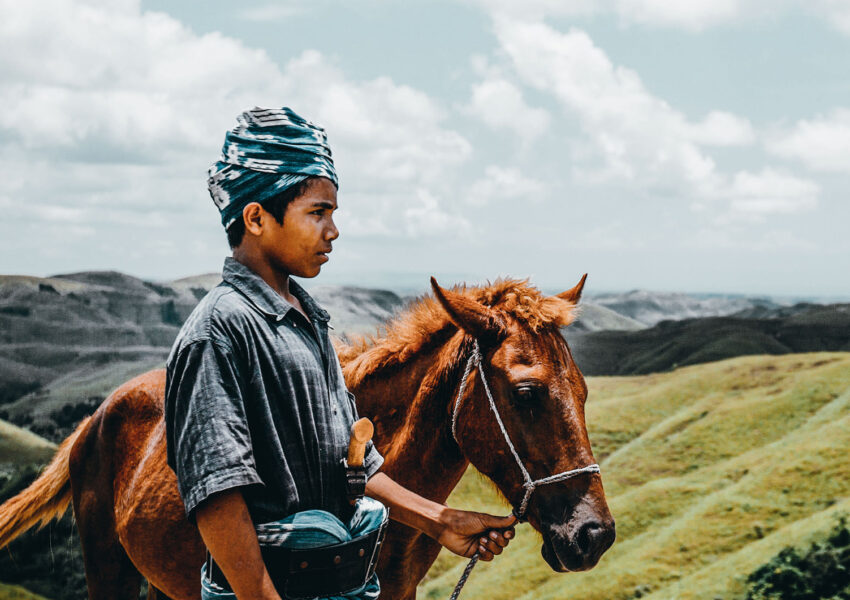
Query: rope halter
{"x": 475, "y": 360}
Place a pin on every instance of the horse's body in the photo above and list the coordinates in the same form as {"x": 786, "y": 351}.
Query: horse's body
{"x": 132, "y": 522}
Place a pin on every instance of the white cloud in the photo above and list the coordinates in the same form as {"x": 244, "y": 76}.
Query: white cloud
{"x": 380, "y": 131}
{"x": 822, "y": 143}
{"x": 771, "y": 191}
{"x": 114, "y": 114}
{"x": 640, "y": 138}
{"x": 500, "y": 104}
{"x": 428, "y": 218}
{"x": 122, "y": 81}
{"x": 690, "y": 15}
{"x": 836, "y": 12}
{"x": 537, "y": 9}
{"x": 503, "y": 183}
{"x": 721, "y": 128}
{"x": 636, "y": 134}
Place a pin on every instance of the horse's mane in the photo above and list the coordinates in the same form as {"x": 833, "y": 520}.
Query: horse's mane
{"x": 425, "y": 319}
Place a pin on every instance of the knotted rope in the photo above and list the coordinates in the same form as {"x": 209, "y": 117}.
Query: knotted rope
{"x": 529, "y": 484}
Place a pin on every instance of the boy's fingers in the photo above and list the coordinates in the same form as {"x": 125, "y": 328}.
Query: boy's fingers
{"x": 491, "y": 545}
{"x": 499, "y": 538}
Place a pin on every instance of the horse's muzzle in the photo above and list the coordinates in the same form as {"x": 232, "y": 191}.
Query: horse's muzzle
{"x": 576, "y": 546}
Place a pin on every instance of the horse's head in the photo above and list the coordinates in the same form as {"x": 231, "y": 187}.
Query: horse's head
{"x": 539, "y": 393}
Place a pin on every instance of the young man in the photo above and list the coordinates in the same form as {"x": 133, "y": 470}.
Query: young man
{"x": 257, "y": 414}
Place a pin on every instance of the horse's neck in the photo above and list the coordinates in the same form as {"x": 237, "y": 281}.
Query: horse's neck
{"x": 410, "y": 408}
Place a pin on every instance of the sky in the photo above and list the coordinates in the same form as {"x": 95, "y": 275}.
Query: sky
{"x": 699, "y": 146}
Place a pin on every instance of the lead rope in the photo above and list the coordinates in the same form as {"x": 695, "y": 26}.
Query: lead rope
{"x": 529, "y": 484}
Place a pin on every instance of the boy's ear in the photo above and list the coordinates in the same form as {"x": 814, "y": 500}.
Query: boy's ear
{"x": 252, "y": 215}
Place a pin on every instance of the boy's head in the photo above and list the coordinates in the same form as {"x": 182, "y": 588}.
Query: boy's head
{"x": 269, "y": 152}
{"x": 275, "y": 187}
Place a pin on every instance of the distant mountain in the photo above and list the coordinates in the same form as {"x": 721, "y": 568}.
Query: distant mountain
{"x": 672, "y": 344}
{"x": 356, "y": 310}
{"x": 775, "y": 312}
{"x": 50, "y": 327}
{"x": 593, "y": 317}
{"x": 67, "y": 341}
{"x": 650, "y": 308}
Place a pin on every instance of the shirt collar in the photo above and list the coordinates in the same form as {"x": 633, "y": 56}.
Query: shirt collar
{"x": 264, "y": 298}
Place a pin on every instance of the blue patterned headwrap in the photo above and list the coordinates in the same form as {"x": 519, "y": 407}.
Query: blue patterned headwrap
{"x": 269, "y": 151}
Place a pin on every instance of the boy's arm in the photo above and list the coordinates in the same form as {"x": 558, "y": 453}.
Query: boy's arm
{"x": 228, "y": 533}
{"x": 460, "y": 531}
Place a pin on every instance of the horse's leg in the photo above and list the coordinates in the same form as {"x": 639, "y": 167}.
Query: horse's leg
{"x": 155, "y": 594}
{"x": 405, "y": 559}
{"x": 110, "y": 575}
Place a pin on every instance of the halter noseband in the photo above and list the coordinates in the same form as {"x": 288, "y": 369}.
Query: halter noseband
{"x": 529, "y": 484}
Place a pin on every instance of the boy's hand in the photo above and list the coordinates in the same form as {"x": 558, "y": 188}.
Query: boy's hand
{"x": 466, "y": 533}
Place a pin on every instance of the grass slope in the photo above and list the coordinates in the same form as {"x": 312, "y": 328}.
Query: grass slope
{"x": 16, "y": 592}
{"x": 709, "y": 471}
{"x": 21, "y": 452}
{"x": 19, "y": 446}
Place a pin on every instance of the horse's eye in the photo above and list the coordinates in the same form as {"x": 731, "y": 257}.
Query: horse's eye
{"x": 529, "y": 395}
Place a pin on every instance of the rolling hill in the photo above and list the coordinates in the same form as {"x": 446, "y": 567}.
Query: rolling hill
{"x": 650, "y": 308}
{"x": 671, "y": 344}
{"x": 67, "y": 341}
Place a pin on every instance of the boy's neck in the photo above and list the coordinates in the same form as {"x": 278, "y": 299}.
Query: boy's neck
{"x": 277, "y": 280}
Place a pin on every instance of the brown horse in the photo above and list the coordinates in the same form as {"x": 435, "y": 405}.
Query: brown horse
{"x": 131, "y": 519}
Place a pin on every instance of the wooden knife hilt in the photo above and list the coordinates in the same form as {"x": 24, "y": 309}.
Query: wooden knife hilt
{"x": 361, "y": 433}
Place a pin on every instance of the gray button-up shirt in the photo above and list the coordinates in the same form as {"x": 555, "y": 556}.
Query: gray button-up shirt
{"x": 255, "y": 398}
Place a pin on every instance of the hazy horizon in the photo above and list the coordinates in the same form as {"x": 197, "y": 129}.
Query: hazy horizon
{"x": 409, "y": 284}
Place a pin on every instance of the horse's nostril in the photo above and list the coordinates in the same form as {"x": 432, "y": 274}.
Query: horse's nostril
{"x": 589, "y": 537}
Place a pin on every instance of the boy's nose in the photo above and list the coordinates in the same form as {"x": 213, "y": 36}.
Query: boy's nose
{"x": 332, "y": 232}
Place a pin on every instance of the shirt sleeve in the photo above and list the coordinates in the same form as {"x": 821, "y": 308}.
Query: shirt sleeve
{"x": 208, "y": 439}
{"x": 373, "y": 460}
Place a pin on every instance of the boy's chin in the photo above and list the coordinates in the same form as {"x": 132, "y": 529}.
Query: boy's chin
{"x": 309, "y": 273}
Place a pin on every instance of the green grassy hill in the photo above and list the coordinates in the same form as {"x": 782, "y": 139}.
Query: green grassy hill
{"x": 21, "y": 454}
{"x": 19, "y": 446}
{"x": 14, "y": 592}
{"x": 709, "y": 471}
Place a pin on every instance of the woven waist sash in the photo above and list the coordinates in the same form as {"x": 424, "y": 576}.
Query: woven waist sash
{"x": 312, "y": 554}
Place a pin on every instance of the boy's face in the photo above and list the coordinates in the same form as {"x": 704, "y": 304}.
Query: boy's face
{"x": 301, "y": 245}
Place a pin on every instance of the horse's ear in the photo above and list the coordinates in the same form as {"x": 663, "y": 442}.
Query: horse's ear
{"x": 473, "y": 317}
{"x": 563, "y": 307}
{"x": 573, "y": 294}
